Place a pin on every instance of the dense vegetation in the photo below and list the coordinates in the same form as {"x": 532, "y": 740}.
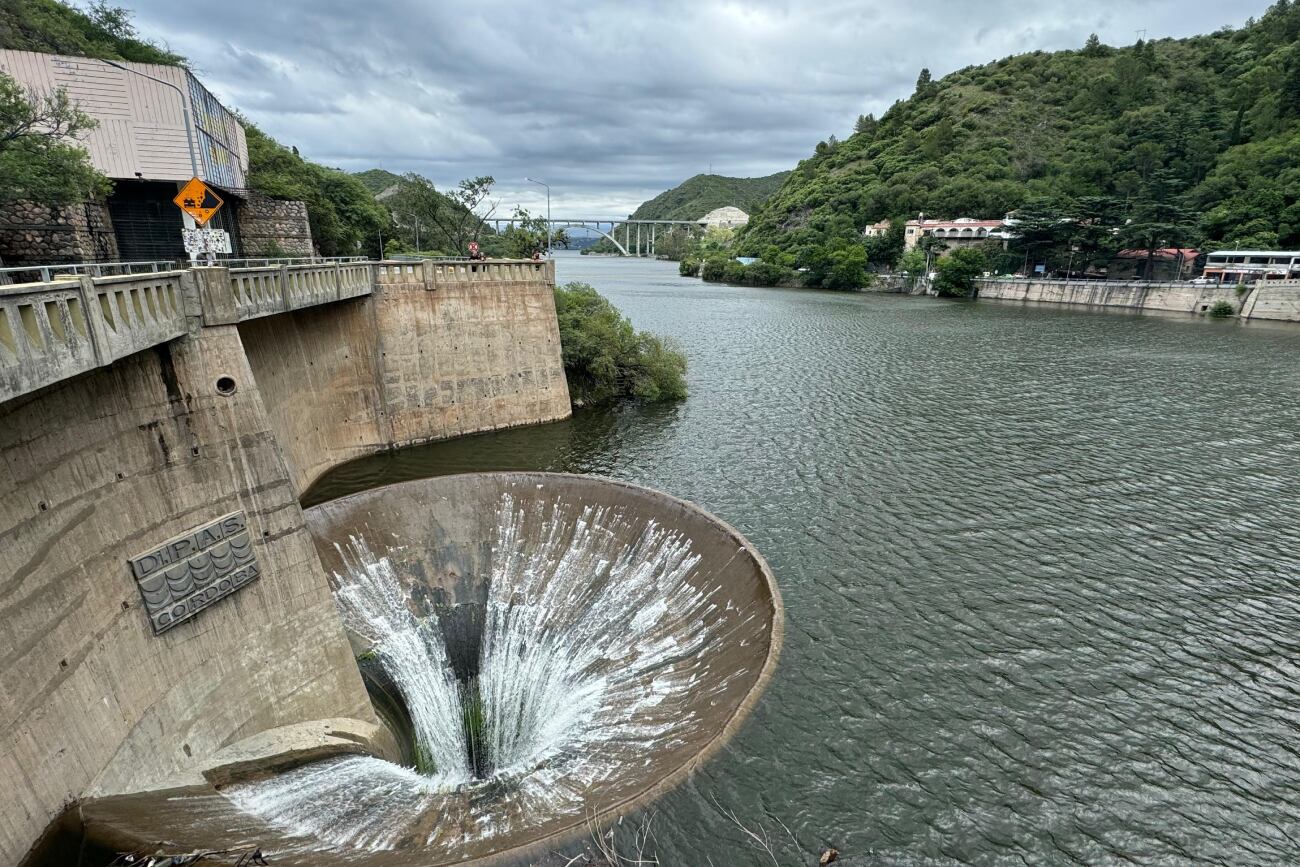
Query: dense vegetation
{"x": 102, "y": 31}
{"x": 695, "y": 197}
{"x": 345, "y": 219}
{"x": 1164, "y": 143}
{"x": 606, "y": 359}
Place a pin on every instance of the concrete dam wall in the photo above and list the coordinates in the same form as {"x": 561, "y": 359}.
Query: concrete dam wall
{"x": 161, "y": 596}
{"x": 430, "y": 355}
{"x": 1278, "y": 300}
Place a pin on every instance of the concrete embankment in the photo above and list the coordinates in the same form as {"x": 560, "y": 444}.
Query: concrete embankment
{"x": 1278, "y": 300}
{"x": 427, "y": 357}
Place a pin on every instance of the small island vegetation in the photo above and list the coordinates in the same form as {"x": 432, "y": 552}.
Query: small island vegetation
{"x": 606, "y": 359}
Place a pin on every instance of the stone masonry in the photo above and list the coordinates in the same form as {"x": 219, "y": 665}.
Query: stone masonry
{"x": 36, "y": 234}
{"x": 274, "y": 227}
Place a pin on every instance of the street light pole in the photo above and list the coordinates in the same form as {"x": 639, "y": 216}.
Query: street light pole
{"x": 189, "y": 133}
{"x": 416, "y": 218}
{"x": 548, "y": 213}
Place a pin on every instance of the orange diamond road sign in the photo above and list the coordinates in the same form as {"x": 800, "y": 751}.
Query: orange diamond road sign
{"x": 199, "y": 201}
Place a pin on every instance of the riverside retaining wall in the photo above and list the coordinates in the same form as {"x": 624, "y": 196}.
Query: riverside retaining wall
{"x": 1176, "y": 297}
{"x": 1273, "y": 299}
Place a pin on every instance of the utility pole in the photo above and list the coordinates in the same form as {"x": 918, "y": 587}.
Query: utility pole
{"x": 548, "y": 213}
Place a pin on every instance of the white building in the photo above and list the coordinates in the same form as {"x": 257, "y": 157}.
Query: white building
{"x": 724, "y": 218}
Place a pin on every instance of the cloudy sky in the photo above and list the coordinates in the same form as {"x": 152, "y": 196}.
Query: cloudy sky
{"x": 610, "y": 101}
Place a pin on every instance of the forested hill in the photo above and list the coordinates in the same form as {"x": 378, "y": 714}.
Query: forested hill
{"x": 697, "y": 196}
{"x": 377, "y": 180}
{"x": 1200, "y": 137}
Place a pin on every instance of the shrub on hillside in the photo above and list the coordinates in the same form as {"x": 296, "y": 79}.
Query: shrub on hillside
{"x": 1222, "y": 310}
{"x": 606, "y": 359}
{"x": 689, "y": 267}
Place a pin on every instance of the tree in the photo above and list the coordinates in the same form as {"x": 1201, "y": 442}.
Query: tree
{"x": 925, "y": 85}
{"x": 461, "y": 222}
{"x": 39, "y": 160}
{"x": 887, "y": 248}
{"x": 526, "y": 235}
{"x": 345, "y": 218}
{"x": 415, "y": 208}
{"x": 1159, "y": 220}
{"x": 1093, "y": 47}
{"x": 956, "y": 272}
{"x": 865, "y": 125}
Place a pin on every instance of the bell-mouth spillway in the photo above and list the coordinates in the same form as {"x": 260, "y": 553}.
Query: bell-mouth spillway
{"x": 550, "y": 651}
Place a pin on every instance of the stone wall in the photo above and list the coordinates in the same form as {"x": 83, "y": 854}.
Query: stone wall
{"x": 274, "y": 227}
{"x": 1274, "y": 299}
{"x": 34, "y": 234}
{"x": 435, "y": 352}
{"x": 98, "y": 469}
{"x": 1176, "y": 297}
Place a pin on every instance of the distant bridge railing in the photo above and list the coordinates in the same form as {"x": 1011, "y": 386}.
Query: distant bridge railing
{"x": 53, "y": 330}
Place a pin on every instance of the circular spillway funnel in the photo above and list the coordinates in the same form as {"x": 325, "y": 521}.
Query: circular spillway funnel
{"x": 554, "y": 650}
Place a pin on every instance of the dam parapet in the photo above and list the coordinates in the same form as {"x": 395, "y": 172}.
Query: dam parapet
{"x": 161, "y": 595}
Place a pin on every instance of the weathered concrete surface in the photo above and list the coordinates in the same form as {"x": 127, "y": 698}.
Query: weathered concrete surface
{"x": 1176, "y": 297}
{"x": 1274, "y": 299}
{"x": 440, "y": 534}
{"x": 436, "y": 351}
{"x": 93, "y": 471}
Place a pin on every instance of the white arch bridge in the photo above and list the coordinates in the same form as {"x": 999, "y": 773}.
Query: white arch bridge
{"x": 639, "y": 236}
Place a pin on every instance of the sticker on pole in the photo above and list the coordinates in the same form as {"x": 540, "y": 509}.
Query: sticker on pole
{"x": 199, "y": 201}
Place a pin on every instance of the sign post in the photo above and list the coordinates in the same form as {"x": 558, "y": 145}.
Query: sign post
{"x": 199, "y": 202}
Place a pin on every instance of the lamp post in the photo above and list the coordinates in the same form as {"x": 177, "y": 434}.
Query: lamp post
{"x": 417, "y": 227}
{"x": 189, "y": 132}
{"x": 548, "y": 212}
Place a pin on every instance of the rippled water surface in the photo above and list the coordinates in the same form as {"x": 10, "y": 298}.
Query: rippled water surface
{"x": 1040, "y": 567}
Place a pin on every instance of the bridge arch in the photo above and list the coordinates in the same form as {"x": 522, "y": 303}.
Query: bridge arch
{"x": 557, "y": 226}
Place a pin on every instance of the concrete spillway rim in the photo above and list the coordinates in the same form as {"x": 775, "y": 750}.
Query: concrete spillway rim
{"x": 723, "y": 735}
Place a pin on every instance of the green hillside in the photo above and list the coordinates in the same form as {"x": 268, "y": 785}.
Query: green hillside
{"x": 377, "y": 180}
{"x": 1188, "y": 141}
{"x": 697, "y": 196}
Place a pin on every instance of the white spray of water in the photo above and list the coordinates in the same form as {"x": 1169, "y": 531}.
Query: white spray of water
{"x": 370, "y": 600}
{"x": 589, "y": 662}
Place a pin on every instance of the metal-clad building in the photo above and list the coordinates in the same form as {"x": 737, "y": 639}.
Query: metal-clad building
{"x": 141, "y": 124}
{"x": 141, "y": 140}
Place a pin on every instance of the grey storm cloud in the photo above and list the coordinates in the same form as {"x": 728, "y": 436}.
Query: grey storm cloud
{"x": 610, "y": 102}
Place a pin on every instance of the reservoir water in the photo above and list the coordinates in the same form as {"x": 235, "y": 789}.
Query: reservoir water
{"x": 1041, "y": 569}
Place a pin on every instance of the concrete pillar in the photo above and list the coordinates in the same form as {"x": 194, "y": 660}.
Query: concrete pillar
{"x": 652, "y": 239}
{"x": 638, "y": 239}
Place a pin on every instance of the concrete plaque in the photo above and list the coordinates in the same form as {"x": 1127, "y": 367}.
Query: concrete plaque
{"x": 187, "y": 573}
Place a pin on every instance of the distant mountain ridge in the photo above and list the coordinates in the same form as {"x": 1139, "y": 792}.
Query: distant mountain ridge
{"x": 695, "y": 197}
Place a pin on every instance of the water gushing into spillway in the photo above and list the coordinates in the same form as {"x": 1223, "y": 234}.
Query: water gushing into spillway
{"x": 593, "y": 667}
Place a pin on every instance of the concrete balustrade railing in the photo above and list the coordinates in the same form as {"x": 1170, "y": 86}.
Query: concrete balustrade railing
{"x": 432, "y": 272}
{"x": 54, "y": 330}
{"x": 239, "y": 294}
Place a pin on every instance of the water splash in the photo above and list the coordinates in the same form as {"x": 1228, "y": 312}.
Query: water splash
{"x": 589, "y": 660}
